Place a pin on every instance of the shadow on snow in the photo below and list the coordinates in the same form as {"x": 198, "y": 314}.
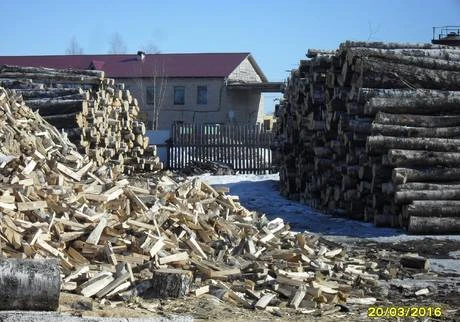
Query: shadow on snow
{"x": 264, "y": 197}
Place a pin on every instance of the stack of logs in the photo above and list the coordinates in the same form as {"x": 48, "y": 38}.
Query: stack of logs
{"x": 107, "y": 231}
{"x": 369, "y": 131}
{"x": 98, "y": 115}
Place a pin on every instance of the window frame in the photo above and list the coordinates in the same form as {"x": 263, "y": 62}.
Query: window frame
{"x": 177, "y": 102}
{"x": 150, "y": 99}
{"x": 205, "y": 88}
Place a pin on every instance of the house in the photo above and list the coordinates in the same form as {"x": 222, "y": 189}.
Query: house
{"x": 217, "y": 88}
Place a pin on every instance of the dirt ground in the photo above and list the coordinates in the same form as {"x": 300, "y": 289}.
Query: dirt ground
{"x": 444, "y": 293}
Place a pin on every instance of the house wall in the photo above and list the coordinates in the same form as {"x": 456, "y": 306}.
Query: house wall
{"x": 223, "y": 106}
{"x": 246, "y": 106}
{"x": 245, "y": 72}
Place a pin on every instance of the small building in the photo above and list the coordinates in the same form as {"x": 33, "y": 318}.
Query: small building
{"x": 269, "y": 122}
{"x": 217, "y": 88}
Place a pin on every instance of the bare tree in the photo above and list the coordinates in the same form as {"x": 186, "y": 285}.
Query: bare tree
{"x": 372, "y": 31}
{"x": 74, "y": 47}
{"x": 160, "y": 82}
{"x": 153, "y": 90}
{"x": 117, "y": 44}
{"x": 150, "y": 48}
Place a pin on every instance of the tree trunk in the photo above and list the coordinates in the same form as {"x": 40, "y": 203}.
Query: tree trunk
{"x": 27, "y": 284}
{"x": 427, "y": 186}
{"x": 48, "y": 93}
{"x": 428, "y": 121}
{"x": 79, "y": 96}
{"x": 390, "y": 45}
{"x": 20, "y": 84}
{"x": 319, "y": 52}
{"x": 383, "y": 220}
{"x": 51, "y": 71}
{"x": 403, "y": 158}
{"x": 380, "y": 172}
{"x": 365, "y": 173}
{"x": 374, "y": 73}
{"x": 365, "y": 94}
{"x": 438, "y": 63}
{"x": 407, "y": 196}
{"x": 447, "y": 54}
{"x": 52, "y": 107}
{"x": 417, "y": 262}
{"x": 406, "y": 131}
{"x": 434, "y": 225}
{"x": 381, "y": 144}
{"x": 404, "y": 175}
{"x": 51, "y": 78}
{"x": 322, "y": 152}
{"x": 432, "y": 208}
{"x": 172, "y": 283}
{"x": 419, "y": 104}
{"x": 64, "y": 121}
{"x": 362, "y": 126}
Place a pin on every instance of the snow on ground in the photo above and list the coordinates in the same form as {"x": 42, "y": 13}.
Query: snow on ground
{"x": 455, "y": 254}
{"x": 445, "y": 265}
{"x": 260, "y": 193}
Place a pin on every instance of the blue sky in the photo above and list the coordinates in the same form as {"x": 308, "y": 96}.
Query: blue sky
{"x": 277, "y": 33}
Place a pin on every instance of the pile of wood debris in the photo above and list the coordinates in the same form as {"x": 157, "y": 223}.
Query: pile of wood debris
{"x": 201, "y": 167}
{"x": 99, "y": 116}
{"x": 107, "y": 231}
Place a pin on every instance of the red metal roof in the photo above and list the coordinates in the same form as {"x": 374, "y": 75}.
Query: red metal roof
{"x": 126, "y": 66}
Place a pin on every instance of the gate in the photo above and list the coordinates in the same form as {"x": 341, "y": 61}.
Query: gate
{"x": 246, "y": 148}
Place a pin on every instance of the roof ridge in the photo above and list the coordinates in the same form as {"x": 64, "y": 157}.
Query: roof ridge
{"x": 129, "y": 65}
{"x": 130, "y": 54}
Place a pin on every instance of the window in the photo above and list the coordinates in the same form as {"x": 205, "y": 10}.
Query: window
{"x": 202, "y": 95}
{"x": 150, "y": 124}
{"x": 179, "y": 95}
{"x": 150, "y": 95}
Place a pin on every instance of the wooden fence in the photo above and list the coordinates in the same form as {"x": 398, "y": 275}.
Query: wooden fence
{"x": 246, "y": 148}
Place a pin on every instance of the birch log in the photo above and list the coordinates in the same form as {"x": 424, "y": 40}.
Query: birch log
{"x": 29, "y": 284}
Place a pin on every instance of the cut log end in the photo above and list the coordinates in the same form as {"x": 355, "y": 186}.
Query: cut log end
{"x": 171, "y": 283}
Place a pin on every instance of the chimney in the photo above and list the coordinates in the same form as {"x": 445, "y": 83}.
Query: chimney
{"x": 140, "y": 55}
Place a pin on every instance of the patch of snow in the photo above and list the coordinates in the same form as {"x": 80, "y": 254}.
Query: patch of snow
{"x": 403, "y": 237}
{"x": 455, "y": 254}
{"x": 260, "y": 193}
{"x": 445, "y": 265}
{"x": 411, "y": 284}
{"x": 226, "y": 180}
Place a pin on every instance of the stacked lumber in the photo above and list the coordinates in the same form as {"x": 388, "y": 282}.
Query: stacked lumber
{"x": 190, "y": 238}
{"x": 371, "y": 131}
{"x": 98, "y": 115}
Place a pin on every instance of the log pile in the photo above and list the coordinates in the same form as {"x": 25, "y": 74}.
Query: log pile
{"x": 190, "y": 238}
{"x": 371, "y": 132}
{"x": 98, "y": 115}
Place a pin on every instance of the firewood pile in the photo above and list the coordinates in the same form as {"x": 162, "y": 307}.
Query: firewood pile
{"x": 192, "y": 238}
{"x": 371, "y": 132}
{"x": 98, "y": 115}
{"x": 201, "y": 167}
